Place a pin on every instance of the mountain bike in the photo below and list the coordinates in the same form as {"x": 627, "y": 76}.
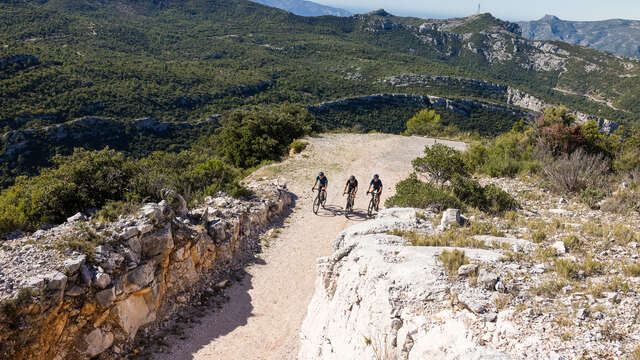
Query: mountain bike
{"x": 373, "y": 204}
{"x": 320, "y": 200}
{"x": 348, "y": 209}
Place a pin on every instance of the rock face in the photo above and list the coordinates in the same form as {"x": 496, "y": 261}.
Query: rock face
{"x": 460, "y": 106}
{"x": 377, "y": 298}
{"x": 148, "y": 267}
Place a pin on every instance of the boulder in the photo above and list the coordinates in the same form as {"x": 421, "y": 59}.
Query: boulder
{"x": 134, "y": 312}
{"x": 34, "y": 282}
{"x": 85, "y": 275}
{"x": 72, "y": 265}
{"x": 141, "y": 276}
{"x": 129, "y": 232}
{"x": 101, "y": 280}
{"x": 467, "y": 269}
{"x": 77, "y": 217}
{"x": 97, "y": 342}
{"x": 56, "y": 281}
{"x": 487, "y": 279}
{"x": 158, "y": 242}
{"x": 451, "y": 216}
{"x": 559, "y": 247}
{"x": 106, "y": 297}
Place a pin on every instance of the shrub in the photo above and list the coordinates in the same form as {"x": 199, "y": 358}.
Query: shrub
{"x": 86, "y": 179}
{"x": 114, "y": 209}
{"x": 632, "y": 270}
{"x": 576, "y": 172}
{"x": 508, "y": 155}
{"x": 498, "y": 200}
{"x": 452, "y": 260}
{"x": 550, "y": 288}
{"x": 566, "y": 269}
{"x": 490, "y": 198}
{"x": 247, "y": 138}
{"x": 591, "y": 197}
{"x": 441, "y": 163}
{"x": 622, "y": 202}
{"x": 412, "y": 192}
{"x": 83, "y": 239}
{"x": 298, "y": 146}
{"x": 425, "y": 122}
{"x": 592, "y": 267}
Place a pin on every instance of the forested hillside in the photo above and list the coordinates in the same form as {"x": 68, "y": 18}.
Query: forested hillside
{"x": 184, "y": 61}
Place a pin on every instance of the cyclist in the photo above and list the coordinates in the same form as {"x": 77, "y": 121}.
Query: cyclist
{"x": 323, "y": 184}
{"x": 376, "y": 185}
{"x": 352, "y": 184}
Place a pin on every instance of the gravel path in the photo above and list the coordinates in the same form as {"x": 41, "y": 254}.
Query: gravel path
{"x": 263, "y": 316}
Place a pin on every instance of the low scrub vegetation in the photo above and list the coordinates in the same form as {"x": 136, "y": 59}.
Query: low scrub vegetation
{"x": 110, "y": 181}
{"x": 568, "y": 157}
{"x": 449, "y": 186}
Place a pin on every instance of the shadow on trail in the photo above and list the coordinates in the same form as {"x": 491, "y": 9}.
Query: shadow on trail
{"x": 221, "y": 314}
{"x": 358, "y": 215}
{"x": 330, "y": 211}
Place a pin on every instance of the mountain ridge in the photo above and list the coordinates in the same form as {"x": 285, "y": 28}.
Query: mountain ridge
{"x": 304, "y": 8}
{"x": 617, "y": 36}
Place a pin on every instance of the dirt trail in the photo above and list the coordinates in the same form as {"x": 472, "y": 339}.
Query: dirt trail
{"x": 265, "y": 310}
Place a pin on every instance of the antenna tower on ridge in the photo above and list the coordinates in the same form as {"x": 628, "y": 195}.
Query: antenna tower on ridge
{"x": 478, "y": 8}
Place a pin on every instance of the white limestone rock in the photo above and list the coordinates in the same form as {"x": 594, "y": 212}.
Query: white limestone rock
{"x": 375, "y": 287}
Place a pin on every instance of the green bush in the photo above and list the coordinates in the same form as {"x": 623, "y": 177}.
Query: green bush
{"x": 441, "y": 163}
{"x": 489, "y": 199}
{"x": 86, "y": 179}
{"x": 508, "y": 155}
{"x": 298, "y": 146}
{"x": 591, "y": 197}
{"x": 414, "y": 193}
{"x": 249, "y": 137}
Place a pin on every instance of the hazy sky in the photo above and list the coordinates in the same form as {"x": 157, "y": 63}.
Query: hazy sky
{"x": 505, "y": 9}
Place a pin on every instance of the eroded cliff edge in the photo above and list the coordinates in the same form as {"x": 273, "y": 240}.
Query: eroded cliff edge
{"x": 62, "y": 304}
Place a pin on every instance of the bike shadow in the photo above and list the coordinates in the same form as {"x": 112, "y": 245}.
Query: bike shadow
{"x": 358, "y": 215}
{"x": 330, "y": 211}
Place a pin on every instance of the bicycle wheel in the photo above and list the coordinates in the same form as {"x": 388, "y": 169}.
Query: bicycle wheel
{"x": 347, "y": 208}
{"x": 372, "y": 204}
{"x": 316, "y": 204}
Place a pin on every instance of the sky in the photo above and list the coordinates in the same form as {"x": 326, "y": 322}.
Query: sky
{"x": 512, "y": 10}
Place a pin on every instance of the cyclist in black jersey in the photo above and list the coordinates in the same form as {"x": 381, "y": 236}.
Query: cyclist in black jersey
{"x": 323, "y": 183}
{"x": 376, "y": 185}
{"x": 352, "y": 185}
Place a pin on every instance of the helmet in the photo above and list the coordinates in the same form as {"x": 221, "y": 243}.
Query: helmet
{"x": 376, "y": 176}
{"x": 352, "y": 177}
{"x": 321, "y": 174}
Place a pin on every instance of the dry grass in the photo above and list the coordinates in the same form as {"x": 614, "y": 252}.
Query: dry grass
{"x": 502, "y": 300}
{"x": 455, "y": 236}
{"x": 549, "y": 288}
{"x": 632, "y": 270}
{"x": 452, "y": 260}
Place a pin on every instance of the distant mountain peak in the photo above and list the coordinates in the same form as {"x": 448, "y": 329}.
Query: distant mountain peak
{"x": 304, "y": 8}
{"x": 379, "y": 12}
{"x": 548, "y": 18}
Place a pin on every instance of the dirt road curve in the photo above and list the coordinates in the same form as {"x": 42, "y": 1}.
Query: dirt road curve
{"x": 265, "y": 310}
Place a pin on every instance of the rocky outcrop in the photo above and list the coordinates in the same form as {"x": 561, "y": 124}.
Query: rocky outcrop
{"x": 511, "y": 96}
{"x": 377, "y": 298}
{"x": 460, "y": 106}
{"x": 56, "y": 303}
